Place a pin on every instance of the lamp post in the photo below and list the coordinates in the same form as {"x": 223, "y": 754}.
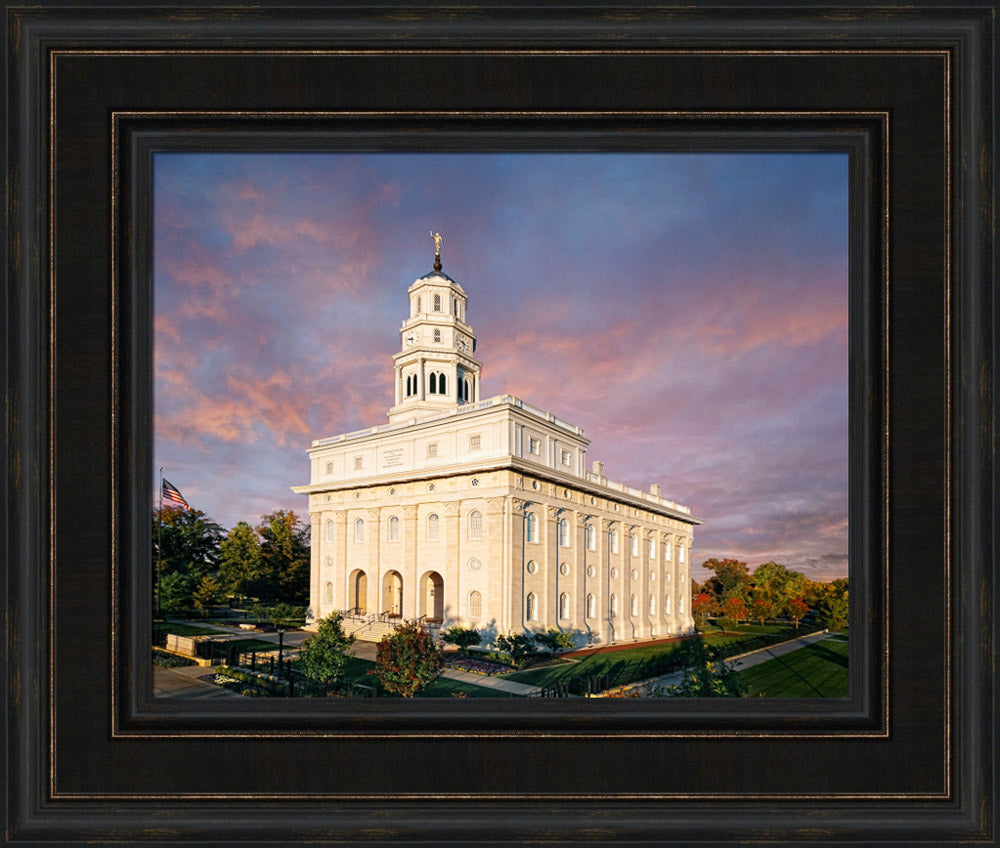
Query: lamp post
{"x": 281, "y": 648}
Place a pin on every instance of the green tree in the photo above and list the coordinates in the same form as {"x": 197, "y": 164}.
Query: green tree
{"x": 324, "y": 657}
{"x": 462, "y": 638}
{"x": 554, "y": 640}
{"x": 708, "y": 677}
{"x": 284, "y": 551}
{"x": 176, "y": 591}
{"x": 407, "y": 660}
{"x": 185, "y": 540}
{"x": 830, "y": 602}
{"x": 207, "y": 593}
{"x": 240, "y": 560}
{"x": 518, "y": 646}
{"x": 732, "y": 578}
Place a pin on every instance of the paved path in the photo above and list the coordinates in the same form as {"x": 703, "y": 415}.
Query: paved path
{"x": 183, "y": 683}
{"x": 497, "y": 684}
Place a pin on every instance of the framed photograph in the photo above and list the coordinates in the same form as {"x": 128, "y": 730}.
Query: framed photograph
{"x": 129, "y": 129}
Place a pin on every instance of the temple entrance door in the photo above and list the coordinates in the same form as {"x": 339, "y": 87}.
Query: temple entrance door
{"x": 358, "y": 599}
{"x": 392, "y": 593}
{"x": 432, "y": 597}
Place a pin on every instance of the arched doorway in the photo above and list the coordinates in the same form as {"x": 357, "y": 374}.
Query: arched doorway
{"x": 432, "y": 596}
{"x": 392, "y": 593}
{"x": 357, "y": 592}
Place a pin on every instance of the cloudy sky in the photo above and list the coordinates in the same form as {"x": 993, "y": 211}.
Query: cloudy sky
{"x": 689, "y": 312}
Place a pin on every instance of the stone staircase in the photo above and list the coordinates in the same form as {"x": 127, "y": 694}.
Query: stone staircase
{"x": 368, "y": 628}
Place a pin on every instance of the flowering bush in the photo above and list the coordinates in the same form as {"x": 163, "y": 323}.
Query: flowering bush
{"x": 407, "y": 660}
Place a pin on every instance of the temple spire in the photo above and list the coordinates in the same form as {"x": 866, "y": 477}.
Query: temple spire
{"x": 437, "y": 250}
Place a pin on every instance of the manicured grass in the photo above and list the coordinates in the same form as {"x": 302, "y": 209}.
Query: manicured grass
{"x": 620, "y": 666}
{"x": 444, "y": 686}
{"x": 818, "y": 670}
{"x": 248, "y": 645}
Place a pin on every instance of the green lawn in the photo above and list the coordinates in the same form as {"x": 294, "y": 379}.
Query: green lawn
{"x": 818, "y": 670}
{"x": 619, "y": 666}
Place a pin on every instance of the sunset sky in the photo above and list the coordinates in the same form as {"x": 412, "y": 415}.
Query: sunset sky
{"x": 689, "y": 312}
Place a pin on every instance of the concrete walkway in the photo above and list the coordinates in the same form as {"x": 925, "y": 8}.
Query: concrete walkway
{"x": 183, "y": 683}
{"x": 497, "y": 684}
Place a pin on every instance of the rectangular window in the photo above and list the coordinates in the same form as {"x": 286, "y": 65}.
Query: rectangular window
{"x": 359, "y": 463}
{"x": 432, "y": 450}
{"x": 534, "y": 446}
{"x": 565, "y": 457}
{"x": 475, "y": 442}
{"x": 329, "y": 468}
{"x": 652, "y": 548}
{"x": 680, "y": 554}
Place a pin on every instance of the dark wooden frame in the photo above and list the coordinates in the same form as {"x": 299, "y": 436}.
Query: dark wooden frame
{"x": 93, "y": 89}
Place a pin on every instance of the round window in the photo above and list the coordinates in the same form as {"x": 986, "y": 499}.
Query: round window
{"x": 614, "y": 572}
{"x": 652, "y": 575}
{"x": 329, "y": 561}
{"x": 635, "y": 573}
{"x": 474, "y": 564}
{"x": 328, "y": 498}
{"x": 591, "y": 571}
{"x": 430, "y": 487}
{"x": 392, "y": 491}
{"x": 474, "y": 481}
{"x": 532, "y": 567}
{"x": 564, "y": 569}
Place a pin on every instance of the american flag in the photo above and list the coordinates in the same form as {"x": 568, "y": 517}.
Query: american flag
{"x": 171, "y": 493}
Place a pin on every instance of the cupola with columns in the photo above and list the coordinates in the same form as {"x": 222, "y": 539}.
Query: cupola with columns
{"x": 435, "y": 368}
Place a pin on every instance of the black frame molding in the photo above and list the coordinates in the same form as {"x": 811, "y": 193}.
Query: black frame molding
{"x": 94, "y": 90}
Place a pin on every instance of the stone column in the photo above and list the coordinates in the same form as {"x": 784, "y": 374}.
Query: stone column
{"x": 410, "y": 542}
{"x": 315, "y": 568}
{"x": 549, "y": 605}
{"x": 611, "y": 626}
{"x": 374, "y": 570}
{"x": 494, "y": 575}
{"x": 341, "y": 572}
{"x": 451, "y": 564}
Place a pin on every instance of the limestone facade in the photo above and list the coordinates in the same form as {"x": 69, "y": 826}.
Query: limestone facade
{"x": 483, "y": 512}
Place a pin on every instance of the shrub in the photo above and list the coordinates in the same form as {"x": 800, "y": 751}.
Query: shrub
{"x": 407, "y": 660}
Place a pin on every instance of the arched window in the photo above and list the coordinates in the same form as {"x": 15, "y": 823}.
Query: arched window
{"x": 329, "y": 530}
{"x": 442, "y": 385}
{"x": 681, "y": 553}
{"x": 634, "y": 605}
{"x": 454, "y": 305}
{"x": 437, "y": 335}
{"x": 652, "y": 548}
{"x": 394, "y": 529}
{"x": 328, "y": 593}
{"x": 591, "y": 606}
{"x": 681, "y": 605}
{"x": 563, "y": 528}
{"x": 475, "y": 604}
{"x": 652, "y": 605}
{"x": 437, "y": 303}
{"x": 475, "y": 524}
{"x": 432, "y": 386}
{"x": 432, "y": 527}
{"x": 359, "y": 530}
{"x": 418, "y": 304}
{"x": 613, "y": 538}
{"x": 666, "y": 549}
{"x": 531, "y": 607}
{"x": 591, "y": 538}
{"x": 634, "y": 542}
{"x": 532, "y": 528}
{"x": 666, "y": 604}
{"x": 614, "y": 607}
{"x": 564, "y": 605}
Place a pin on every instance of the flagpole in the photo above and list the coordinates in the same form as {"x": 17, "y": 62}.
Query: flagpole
{"x": 159, "y": 549}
